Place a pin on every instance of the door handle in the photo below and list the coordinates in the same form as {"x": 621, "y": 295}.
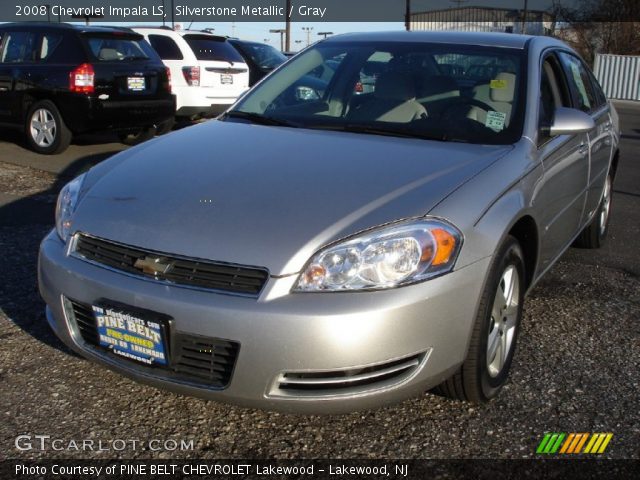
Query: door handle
{"x": 583, "y": 149}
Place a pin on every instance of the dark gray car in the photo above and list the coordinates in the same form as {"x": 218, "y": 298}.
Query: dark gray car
{"x": 346, "y": 250}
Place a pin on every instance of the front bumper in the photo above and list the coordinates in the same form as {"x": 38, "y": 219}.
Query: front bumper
{"x": 283, "y": 333}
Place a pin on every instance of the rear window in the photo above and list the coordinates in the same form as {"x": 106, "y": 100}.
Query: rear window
{"x": 211, "y": 48}
{"x": 115, "y": 48}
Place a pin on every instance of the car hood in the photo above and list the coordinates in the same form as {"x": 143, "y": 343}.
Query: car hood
{"x": 268, "y": 196}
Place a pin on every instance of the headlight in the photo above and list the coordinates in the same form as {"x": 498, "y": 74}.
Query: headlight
{"x": 386, "y": 257}
{"x": 66, "y": 205}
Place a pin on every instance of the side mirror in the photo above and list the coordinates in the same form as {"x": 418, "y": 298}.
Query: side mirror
{"x": 569, "y": 121}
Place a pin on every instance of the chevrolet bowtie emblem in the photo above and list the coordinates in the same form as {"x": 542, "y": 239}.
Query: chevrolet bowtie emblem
{"x": 153, "y": 265}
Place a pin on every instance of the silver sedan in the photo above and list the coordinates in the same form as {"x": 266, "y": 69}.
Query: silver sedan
{"x": 321, "y": 248}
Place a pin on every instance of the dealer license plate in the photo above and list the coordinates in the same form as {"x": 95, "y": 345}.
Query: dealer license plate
{"x": 130, "y": 336}
{"x": 136, "y": 84}
{"x": 226, "y": 79}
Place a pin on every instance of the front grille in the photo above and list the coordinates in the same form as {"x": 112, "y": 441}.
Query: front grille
{"x": 171, "y": 268}
{"x": 356, "y": 380}
{"x": 193, "y": 359}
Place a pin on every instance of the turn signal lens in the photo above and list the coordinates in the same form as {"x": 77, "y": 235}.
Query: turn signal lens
{"x": 445, "y": 246}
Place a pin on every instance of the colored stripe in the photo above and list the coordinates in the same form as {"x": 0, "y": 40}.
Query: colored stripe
{"x": 596, "y": 446}
{"x": 581, "y": 442}
{"x": 605, "y": 443}
{"x": 550, "y": 444}
{"x": 558, "y": 443}
{"x": 593, "y": 439}
{"x": 576, "y": 440}
{"x": 567, "y": 443}
{"x": 543, "y": 443}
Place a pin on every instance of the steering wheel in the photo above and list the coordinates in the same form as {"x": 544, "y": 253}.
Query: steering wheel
{"x": 455, "y": 108}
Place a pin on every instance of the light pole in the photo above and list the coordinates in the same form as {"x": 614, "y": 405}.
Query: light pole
{"x": 325, "y": 34}
{"x": 308, "y": 30}
{"x": 281, "y": 31}
{"x": 407, "y": 16}
{"x": 288, "y": 26}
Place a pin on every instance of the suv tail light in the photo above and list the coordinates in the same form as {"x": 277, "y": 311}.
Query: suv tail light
{"x": 81, "y": 80}
{"x": 359, "y": 87}
{"x": 192, "y": 76}
{"x": 168, "y": 79}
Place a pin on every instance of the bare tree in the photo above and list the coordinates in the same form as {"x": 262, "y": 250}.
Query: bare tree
{"x": 600, "y": 26}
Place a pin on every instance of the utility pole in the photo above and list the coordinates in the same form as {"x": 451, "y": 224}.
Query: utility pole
{"x": 325, "y": 34}
{"x": 288, "y": 26}
{"x": 308, "y": 30}
{"x": 281, "y": 31}
{"x": 524, "y": 17}
{"x": 407, "y": 16}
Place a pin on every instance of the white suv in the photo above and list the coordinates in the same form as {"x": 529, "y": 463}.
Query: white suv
{"x": 207, "y": 73}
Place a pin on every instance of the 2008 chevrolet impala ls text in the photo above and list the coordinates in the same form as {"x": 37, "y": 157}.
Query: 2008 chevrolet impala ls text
{"x": 342, "y": 248}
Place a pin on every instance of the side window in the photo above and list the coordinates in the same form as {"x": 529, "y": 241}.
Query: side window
{"x": 19, "y": 47}
{"x": 552, "y": 95}
{"x": 48, "y": 45}
{"x": 601, "y": 98}
{"x": 579, "y": 82}
{"x": 166, "y": 47}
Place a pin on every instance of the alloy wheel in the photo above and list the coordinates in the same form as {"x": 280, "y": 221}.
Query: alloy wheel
{"x": 43, "y": 127}
{"x": 504, "y": 318}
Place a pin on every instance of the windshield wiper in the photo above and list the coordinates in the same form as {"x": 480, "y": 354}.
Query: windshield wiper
{"x": 379, "y": 130}
{"x": 259, "y": 119}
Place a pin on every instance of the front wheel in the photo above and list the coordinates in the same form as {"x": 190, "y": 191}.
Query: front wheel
{"x": 595, "y": 234}
{"x": 486, "y": 368}
{"x": 45, "y": 129}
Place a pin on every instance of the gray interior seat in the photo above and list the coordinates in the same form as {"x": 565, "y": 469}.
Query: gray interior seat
{"x": 108, "y": 54}
{"x": 499, "y": 99}
{"x": 394, "y": 100}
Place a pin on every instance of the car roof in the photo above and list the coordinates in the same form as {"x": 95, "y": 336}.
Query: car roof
{"x": 505, "y": 40}
{"x": 180, "y": 32}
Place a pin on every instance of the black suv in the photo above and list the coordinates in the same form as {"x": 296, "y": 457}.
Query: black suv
{"x": 58, "y": 80}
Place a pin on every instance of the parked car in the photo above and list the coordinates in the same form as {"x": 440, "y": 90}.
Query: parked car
{"x": 346, "y": 251}
{"x": 261, "y": 58}
{"x": 59, "y": 80}
{"x": 207, "y": 72}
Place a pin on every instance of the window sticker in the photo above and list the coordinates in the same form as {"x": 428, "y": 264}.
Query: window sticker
{"x": 498, "y": 84}
{"x": 495, "y": 120}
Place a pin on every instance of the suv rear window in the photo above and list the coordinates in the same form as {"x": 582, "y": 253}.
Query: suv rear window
{"x": 206, "y": 47}
{"x": 113, "y": 48}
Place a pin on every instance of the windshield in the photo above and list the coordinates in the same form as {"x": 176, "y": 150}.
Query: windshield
{"x": 265, "y": 56}
{"x": 445, "y": 92}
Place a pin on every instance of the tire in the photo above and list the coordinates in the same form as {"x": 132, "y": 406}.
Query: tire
{"x": 481, "y": 378}
{"x": 137, "y": 137}
{"x": 165, "y": 127}
{"x": 45, "y": 129}
{"x": 595, "y": 234}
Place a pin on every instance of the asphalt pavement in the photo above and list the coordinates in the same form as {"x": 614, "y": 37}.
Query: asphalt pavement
{"x": 576, "y": 369}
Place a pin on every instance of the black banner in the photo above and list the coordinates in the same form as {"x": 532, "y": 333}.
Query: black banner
{"x": 318, "y": 469}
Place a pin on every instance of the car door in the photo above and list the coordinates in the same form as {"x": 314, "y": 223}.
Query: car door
{"x": 17, "y": 57}
{"x": 560, "y": 195}
{"x": 587, "y": 99}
